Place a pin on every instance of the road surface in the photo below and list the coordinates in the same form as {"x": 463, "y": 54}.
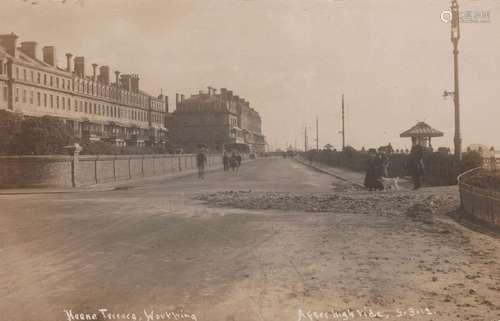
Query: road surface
{"x": 158, "y": 252}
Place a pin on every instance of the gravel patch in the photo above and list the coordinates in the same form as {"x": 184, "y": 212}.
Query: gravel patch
{"x": 417, "y": 206}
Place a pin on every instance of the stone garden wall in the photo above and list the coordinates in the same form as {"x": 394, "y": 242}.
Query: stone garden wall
{"x": 78, "y": 170}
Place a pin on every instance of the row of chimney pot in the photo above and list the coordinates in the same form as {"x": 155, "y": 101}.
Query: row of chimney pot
{"x": 128, "y": 81}
{"x": 9, "y": 41}
{"x": 224, "y": 93}
{"x": 179, "y": 98}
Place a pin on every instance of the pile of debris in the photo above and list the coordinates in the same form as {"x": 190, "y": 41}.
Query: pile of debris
{"x": 339, "y": 203}
{"x": 421, "y": 212}
{"x": 415, "y": 206}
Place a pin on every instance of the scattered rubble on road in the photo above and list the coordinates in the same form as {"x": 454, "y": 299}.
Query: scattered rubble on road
{"x": 422, "y": 212}
{"x": 419, "y": 206}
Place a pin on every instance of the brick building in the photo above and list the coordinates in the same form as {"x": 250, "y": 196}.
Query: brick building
{"x": 91, "y": 104}
{"x": 218, "y": 120}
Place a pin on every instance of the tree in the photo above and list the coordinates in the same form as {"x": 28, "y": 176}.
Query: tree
{"x": 10, "y": 129}
{"x": 471, "y": 160}
{"x": 44, "y": 135}
{"x": 349, "y": 149}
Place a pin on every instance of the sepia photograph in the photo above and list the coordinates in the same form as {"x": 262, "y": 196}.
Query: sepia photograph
{"x": 250, "y": 160}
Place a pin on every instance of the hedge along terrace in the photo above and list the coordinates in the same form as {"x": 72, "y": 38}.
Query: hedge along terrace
{"x": 48, "y": 135}
{"x": 441, "y": 169}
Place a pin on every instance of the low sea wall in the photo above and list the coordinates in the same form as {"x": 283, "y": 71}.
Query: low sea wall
{"x": 84, "y": 170}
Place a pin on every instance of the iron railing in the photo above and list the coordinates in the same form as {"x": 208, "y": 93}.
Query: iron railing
{"x": 483, "y": 202}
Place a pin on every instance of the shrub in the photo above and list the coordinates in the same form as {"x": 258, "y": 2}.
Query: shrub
{"x": 99, "y": 148}
{"x": 470, "y": 160}
{"x": 440, "y": 169}
{"x": 10, "y": 130}
{"x": 42, "y": 136}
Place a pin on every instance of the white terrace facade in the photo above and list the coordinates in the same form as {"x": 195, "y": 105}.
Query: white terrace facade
{"x": 94, "y": 107}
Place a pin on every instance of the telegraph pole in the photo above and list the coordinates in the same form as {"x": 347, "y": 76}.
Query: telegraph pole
{"x": 455, "y": 36}
{"x": 343, "y": 124}
{"x": 305, "y": 139}
{"x": 317, "y": 134}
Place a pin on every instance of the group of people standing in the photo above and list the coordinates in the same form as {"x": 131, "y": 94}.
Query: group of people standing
{"x": 377, "y": 167}
{"x": 232, "y": 162}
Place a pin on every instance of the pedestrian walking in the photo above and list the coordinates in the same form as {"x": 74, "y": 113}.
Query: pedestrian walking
{"x": 225, "y": 161}
{"x": 201, "y": 162}
{"x": 415, "y": 165}
{"x": 233, "y": 162}
{"x": 384, "y": 162}
{"x": 373, "y": 177}
{"x": 239, "y": 159}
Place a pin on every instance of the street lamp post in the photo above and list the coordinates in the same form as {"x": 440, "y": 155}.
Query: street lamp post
{"x": 455, "y": 36}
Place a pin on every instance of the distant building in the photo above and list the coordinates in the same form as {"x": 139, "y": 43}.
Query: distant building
{"x": 443, "y": 150}
{"x": 93, "y": 106}
{"x": 422, "y": 134}
{"x": 387, "y": 149}
{"x": 484, "y": 150}
{"x": 218, "y": 121}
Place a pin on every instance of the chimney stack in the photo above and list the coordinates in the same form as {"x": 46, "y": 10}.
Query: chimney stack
{"x": 117, "y": 78}
{"x": 182, "y": 98}
{"x": 135, "y": 83}
{"x": 9, "y": 42}
{"x": 94, "y": 72}
{"x": 79, "y": 66}
{"x": 68, "y": 61}
{"x": 126, "y": 82}
{"x": 223, "y": 93}
{"x": 49, "y": 55}
{"x": 166, "y": 104}
{"x": 176, "y": 99}
{"x": 104, "y": 74}
{"x": 209, "y": 91}
{"x": 29, "y": 48}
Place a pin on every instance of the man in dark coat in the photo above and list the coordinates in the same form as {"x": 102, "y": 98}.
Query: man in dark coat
{"x": 373, "y": 173}
{"x": 415, "y": 165}
{"x": 239, "y": 159}
{"x": 225, "y": 161}
{"x": 233, "y": 162}
{"x": 201, "y": 162}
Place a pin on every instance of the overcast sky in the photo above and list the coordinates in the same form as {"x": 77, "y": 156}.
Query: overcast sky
{"x": 292, "y": 59}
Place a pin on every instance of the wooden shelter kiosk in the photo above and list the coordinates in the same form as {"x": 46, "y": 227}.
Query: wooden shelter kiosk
{"x": 421, "y": 134}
